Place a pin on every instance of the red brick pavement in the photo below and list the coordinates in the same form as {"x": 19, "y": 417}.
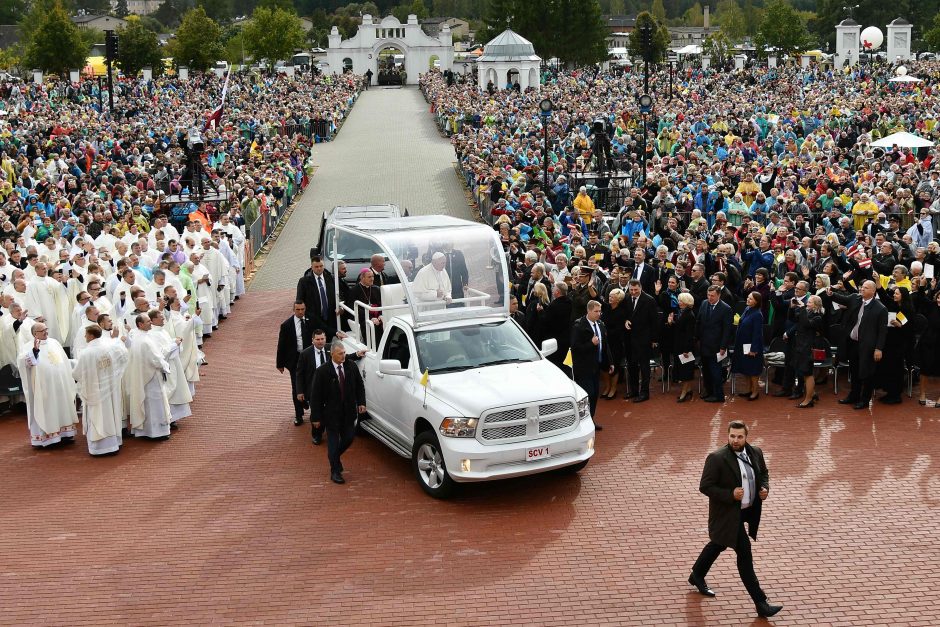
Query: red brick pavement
{"x": 234, "y": 520}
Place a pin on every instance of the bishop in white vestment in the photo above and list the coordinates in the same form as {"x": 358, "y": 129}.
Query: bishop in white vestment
{"x": 99, "y": 372}
{"x": 46, "y": 373}
{"x": 145, "y": 384}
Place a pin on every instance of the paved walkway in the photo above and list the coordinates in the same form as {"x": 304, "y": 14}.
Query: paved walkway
{"x": 388, "y": 152}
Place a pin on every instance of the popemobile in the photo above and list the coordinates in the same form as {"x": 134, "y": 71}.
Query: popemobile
{"x": 452, "y": 382}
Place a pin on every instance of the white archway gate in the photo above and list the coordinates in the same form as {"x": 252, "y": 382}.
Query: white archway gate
{"x": 372, "y": 37}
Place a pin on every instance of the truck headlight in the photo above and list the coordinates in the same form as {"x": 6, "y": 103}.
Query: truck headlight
{"x": 584, "y": 408}
{"x": 458, "y": 427}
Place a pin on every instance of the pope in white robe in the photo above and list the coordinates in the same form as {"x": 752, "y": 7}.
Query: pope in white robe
{"x": 431, "y": 282}
{"x": 49, "y": 389}
{"x": 148, "y": 405}
{"x": 98, "y": 372}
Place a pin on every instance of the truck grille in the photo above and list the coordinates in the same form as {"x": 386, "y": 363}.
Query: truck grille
{"x": 528, "y": 423}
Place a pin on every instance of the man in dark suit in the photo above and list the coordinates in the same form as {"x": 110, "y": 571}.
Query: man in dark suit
{"x": 312, "y": 358}
{"x": 338, "y": 398}
{"x": 366, "y": 291}
{"x": 865, "y": 324}
{"x": 589, "y": 351}
{"x": 714, "y": 329}
{"x": 317, "y": 291}
{"x": 641, "y": 338}
{"x": 456, "y": 266}
{"x": 644, "y": 272}
{"x": 293, "y": 338}
{"x": 558, "y": 323}
{"x": 736, "y": 481}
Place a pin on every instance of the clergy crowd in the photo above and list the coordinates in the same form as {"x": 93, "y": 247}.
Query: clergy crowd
{"x": 764, "y": 235}
{"x": 115, "y": 323}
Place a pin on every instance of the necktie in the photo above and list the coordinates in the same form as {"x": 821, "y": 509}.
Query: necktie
{"x": 634, "y": 303}
{"x": 861, "y": 312}
{"x": 749, "y": 477}
{"x": 322, "y": 358}
{"x": 324, "y": 302}
{"x": 342, "y": 382}
{"x": 597, "y": 332}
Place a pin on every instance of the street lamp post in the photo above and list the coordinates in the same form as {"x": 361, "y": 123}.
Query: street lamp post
{"x": 545, "y": 108}
{"x": 646, "y": 106}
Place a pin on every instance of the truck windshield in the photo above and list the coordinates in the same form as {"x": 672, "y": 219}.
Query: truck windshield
{"x": 452, "y": 350}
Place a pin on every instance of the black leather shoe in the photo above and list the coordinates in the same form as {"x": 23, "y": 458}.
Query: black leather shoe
{"x": 847, "y": 401}
{"x": 767, "y": 610}
{"x": 641, "y": 398}
{"x": 700, "y": 585}
{"x": 713, "y": 399}
{"x": 336, "y": 477}
{"x": 298, "y": 422}
{"x": 860, "y": 405}
{"x": 887, "y": 400}
{"x": 795, "y": 395}
{"x": 628, "y": 396}
{"x": 597, "y": 427}
{"x": 782, "y": 393}
{"x": 317, "y": 440}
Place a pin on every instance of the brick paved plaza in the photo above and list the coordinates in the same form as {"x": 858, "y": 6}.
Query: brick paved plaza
{"x": 234, "y": 520}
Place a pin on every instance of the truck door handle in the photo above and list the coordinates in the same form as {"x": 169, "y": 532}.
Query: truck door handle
{"x": 379, "y": 374}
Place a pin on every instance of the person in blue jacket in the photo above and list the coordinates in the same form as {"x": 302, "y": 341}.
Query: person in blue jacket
{"x": 750, "y": 336}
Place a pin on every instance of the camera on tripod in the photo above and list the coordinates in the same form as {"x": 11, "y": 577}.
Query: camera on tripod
{"x": 194, "y": 141}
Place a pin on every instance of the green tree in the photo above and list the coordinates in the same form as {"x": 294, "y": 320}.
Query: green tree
{"x": 272, "y": 35}
{"x": 618, "y": 7}
{"x": 730, "y": 18}
{"x": 121, "y": 9}
{"x": 198, "y": 41}
{"x": 415, "y": 7}
{"x": 660, "y": 39}
{"x": 497, "y": 17}
{"x": 138, "y": 48}
{"x": 12, "y": 11}
{"x": 718, "y": 47}
{"x": 55, "y": 45}
{"x": 93, "y": 7}
{"x": 694, "y": 16}
{"x": 932, "y": 36}
{"x": 10, "y": 58}
{"x": 217, "y": 10}
{"x": 287, "y": 5}
{"x": 658, "y": 11}
{"x": 782, "y": 29}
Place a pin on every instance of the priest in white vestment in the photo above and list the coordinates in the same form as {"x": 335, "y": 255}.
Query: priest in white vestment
{"x": 432, "y": 283}
{"x": 49, "y": 389}
{"x": 205, "y": 294}
{"x": 177, "y": 387}
{"x": 217, "y": 266}
{"x": 145, "y": 385}
{"x": 185, "y": 327}
{"x": 99, "y": 371}
{"x": 48, "y": 298}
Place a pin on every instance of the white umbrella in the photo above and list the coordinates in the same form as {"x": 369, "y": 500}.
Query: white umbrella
{"x": 902, "y": 139}
{"x": 905, "y": 79}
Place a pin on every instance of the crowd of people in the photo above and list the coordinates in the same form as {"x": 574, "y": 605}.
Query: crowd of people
{"x": 108, "y": 293}
{"x": 765, "y": 230}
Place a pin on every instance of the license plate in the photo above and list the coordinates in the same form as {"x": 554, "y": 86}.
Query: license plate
{"x": 534, "y": 454}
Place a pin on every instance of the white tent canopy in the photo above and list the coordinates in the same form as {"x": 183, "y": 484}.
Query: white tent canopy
{"x": 690, "y": 49}
{"x": 905, "y": 79}
{"x": 903, "y": 140}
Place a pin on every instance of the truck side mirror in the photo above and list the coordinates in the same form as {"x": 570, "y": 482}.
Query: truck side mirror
{"x": 393, "y": 367}
{"x": 549, "y": 347}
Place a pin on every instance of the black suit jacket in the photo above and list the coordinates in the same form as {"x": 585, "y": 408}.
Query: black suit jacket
{"x": 644, "y": 329}
{"x": 715, "y": 331}
{"x": 721, "y": 475}
{"x": 584, "y": 352}
{"x": 308, "y": 292}
{"x": 359, "y": 292}
{"x": 287, "y": 353}
{"x": 328, "y": 406}
{"x": 458, "y": 273}
{"x": 558, "y": 325}
{"x": 648, "y": 278}
{"x": 872, "y": 332}
{"x": 307, "y": 368}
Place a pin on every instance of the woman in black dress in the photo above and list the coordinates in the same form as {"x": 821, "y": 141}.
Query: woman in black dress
{"x": 890, "y": 370}
{"x": 683, "y": 343}
{"x": 809, "y": 326}
{"x": 928, "y": 348}
{"x": 615, "y": 318}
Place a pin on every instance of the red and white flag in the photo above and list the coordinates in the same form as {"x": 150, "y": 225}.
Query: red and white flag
{"x": 864, "y": 263}
{"x": 215, "y": 118}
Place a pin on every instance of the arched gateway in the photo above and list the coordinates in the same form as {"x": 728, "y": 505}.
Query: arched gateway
{"x": 366, "y": 47}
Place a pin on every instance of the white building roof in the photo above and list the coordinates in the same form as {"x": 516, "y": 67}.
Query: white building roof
{"x": 509, "y": 46}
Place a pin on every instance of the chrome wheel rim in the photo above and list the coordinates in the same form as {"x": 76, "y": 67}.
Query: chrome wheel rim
{"x": 430, "y": 466}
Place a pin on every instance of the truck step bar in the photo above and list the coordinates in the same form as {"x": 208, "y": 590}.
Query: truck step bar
{"x": 390, "y": 440}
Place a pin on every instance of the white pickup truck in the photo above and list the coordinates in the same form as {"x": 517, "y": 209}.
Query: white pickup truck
{"x": 452, "y": 382}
